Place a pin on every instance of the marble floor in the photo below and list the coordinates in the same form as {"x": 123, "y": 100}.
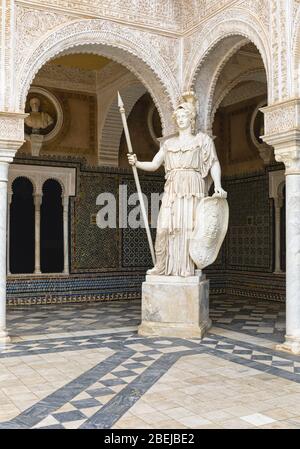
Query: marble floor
{"x": 84, "y": 366}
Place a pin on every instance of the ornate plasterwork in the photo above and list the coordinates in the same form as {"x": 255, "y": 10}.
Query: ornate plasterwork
{"x": 296, "y": 51}
{"x": 11, "y": 127}
{"x": 31, "y": 26}
{"x": 168, "y": 15}
{"x": 282, "y": 117}
{"x": 231, "y": 22}
{"x": 153, "y": 13}
{"x": 122, "y": 44}
{"x": 282, "y": 131}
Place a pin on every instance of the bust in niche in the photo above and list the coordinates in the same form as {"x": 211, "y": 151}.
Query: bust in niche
{"x": 38, "y": 120}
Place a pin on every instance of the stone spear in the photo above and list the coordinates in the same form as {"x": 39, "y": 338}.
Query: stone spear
{"x": 136, "y": 177}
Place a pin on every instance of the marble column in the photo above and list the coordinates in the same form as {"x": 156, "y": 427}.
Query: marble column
{"x": 37, "y": 215}
{"x": 3, "y": 245}
{"x": 66, "y": 233}
{"x": 292, "y": 338}
{"x": 9, "y": 199}
{"x": 278, "y": 203}
{"x": 11, "y": 139}
{"x": 282, "y": 131}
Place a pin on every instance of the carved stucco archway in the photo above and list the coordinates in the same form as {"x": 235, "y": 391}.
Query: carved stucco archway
{"x": 214, "y": 45}
{"x": 111, "y": 40}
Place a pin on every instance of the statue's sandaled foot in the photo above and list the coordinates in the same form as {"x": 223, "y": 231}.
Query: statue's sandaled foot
{"x": 154, "y": 271}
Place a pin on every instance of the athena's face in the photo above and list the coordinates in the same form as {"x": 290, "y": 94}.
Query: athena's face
{"x": 183, "y": 118}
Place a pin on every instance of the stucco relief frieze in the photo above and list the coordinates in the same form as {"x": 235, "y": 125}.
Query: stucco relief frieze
{"x": 169, "y": 15}
{"x": 159, "y": 14}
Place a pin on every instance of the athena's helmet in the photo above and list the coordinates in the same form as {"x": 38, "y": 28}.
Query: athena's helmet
{"x": 188, "y": 102}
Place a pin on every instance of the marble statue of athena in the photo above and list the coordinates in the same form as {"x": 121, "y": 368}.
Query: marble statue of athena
{"x": 190, "y": 161}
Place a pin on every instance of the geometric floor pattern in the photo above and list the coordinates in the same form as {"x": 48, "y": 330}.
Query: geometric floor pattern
{"x": 71, "y": 367}
{"x": 261, "y": 318}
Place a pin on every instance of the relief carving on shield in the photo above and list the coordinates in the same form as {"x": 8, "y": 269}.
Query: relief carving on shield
{"x": 211, "y": 226}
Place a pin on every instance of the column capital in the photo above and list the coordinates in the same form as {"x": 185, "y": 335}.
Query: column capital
{"x": 11, "y": 134}
{"x": 282, "y": 131}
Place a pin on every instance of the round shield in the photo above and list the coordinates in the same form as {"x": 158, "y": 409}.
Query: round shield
{"x": 211, "y": 226}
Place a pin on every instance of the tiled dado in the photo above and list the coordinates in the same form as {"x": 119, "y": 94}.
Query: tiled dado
{"x": 59, "y": 289}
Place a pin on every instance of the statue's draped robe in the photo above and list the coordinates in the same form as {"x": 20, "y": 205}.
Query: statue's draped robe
{"x": 187, "y": 169}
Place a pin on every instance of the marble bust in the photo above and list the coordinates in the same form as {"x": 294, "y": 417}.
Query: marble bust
{"x": 190, "y": 161}
{"x": 37, "y": 120}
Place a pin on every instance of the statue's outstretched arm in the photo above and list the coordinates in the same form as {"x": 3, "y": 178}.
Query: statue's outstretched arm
{"x": 215, "y": 172}
{"x": 148, "y": 166}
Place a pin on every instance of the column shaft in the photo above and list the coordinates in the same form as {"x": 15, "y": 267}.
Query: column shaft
{"x": 3, "y": 225}
{"x": 66, "y": 233}
{"x": 293, "y": 256}
{"x": 278, "y": 205}
{"x": 9, "y": 199}
{"x": 37, "y": 215}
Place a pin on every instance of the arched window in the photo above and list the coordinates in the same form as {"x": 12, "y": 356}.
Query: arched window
{"x": 22, "y": 233}
{"x": 52, "y": 253}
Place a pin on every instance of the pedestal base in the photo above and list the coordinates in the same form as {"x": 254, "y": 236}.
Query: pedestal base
{"x": 291, "y": 345}
{"x": 174, "y": 306}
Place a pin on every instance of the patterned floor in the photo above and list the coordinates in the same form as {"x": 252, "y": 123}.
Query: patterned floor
{"x": 79, "y": 366}
{"x": 263, "y": 319}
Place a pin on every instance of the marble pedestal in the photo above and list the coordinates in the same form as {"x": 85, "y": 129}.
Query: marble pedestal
{"x": 174, "y": 306}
